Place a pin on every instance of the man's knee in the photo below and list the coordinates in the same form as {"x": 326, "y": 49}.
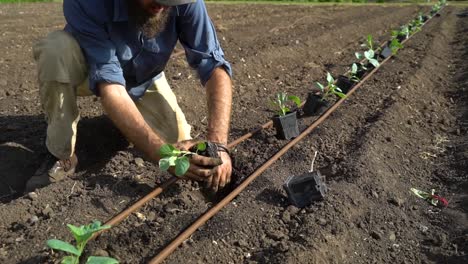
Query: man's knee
{"x": 59, "y": 58}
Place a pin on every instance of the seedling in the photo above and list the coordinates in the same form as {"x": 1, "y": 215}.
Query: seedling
{"x": 354, "y": 73}
{"x": 404, "y": 32}
{"x": 369, "y": 44}
{"x": 170, "y": 156}
{"x": 395, "y": 45}
{"x": 330, "y": 89}
{"x": 82, "y": 235}
{"x": 369, "y": 55}
{"x": 281, "y": 101}
{"x": 416, "y": 24}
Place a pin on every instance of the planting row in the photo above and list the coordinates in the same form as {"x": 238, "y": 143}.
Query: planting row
{"x": 320, "y": 99}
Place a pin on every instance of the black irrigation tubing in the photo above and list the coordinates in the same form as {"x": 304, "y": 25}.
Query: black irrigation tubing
{"x": 215, "y": 209}
{"x": 165, "y": 185}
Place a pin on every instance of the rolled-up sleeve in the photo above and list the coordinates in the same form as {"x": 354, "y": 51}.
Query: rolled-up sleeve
{"x": 198, "y": 37}
{"x": 99, "y": 50}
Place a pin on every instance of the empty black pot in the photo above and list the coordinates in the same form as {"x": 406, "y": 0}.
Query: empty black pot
{"x": 314, "y": 105}
{"x": 304, "y": 189}
{"x": 386, "y": 52}
{"x": 286, "y": 126}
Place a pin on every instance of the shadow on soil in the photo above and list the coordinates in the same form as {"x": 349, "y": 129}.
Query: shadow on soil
{"x": 22, "y": 149}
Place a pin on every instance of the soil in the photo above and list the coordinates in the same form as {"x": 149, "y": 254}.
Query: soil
{"x": 406, "y": 127}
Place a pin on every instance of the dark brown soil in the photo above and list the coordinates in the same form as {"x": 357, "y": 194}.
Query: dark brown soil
{"x": 406, "y": 127}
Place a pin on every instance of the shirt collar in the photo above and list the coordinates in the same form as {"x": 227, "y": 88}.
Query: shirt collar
{"x": 120, "y": 11}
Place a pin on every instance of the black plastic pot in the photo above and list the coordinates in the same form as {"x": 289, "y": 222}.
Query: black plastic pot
{"x": 314, "y": 105}
{"x": 425, "y": 18}
{"x": 344, "y": 83}
{"x": 401, "y": 38}
{"x": 386, "y": 52}
{"x": 304, "y": 189}
{"x": 286, "y": 126}
{"x": 211, "y": 150}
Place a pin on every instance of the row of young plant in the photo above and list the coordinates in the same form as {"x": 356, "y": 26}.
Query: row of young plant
{"x": 286, "y": 122}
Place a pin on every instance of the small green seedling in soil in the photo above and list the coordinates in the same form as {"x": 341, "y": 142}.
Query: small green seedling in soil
{"x": 369, "y": 44}
{"x": 404, "y": 31}
{"x": 353, "y": 73}
{"x": 395, "y": 45}
{"x": 330, "y": 89}
{"x": 281, "y": 101}
{"x": 416, "y": 25}
{"x": 82, "y": 235}
{"x": 170, "y": 156}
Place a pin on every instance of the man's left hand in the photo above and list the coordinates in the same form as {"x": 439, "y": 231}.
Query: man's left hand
{"x": 222, "y": 175}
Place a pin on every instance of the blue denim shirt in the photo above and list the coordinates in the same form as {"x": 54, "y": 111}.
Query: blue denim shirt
{"x": 117, "y": 52}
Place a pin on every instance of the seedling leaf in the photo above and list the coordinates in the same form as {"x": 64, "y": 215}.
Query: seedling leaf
{"x": 330, "y": 78}
{"x": 295, "y": 99}
{"x": 165, "y": 163}
{"x": 340, "y": 94}
{"x": 167, "y": 150}
{"x": 374, "y": 62}
{"x": 182, "y": 165}
{"x": 69, "y": 260}
{"x": 201, "y": 146}
{"x": 320, "y": 86}
{"x": 101, "y": 260}
{"x": 354, "y": 68}
{"x": 63, "y": 246}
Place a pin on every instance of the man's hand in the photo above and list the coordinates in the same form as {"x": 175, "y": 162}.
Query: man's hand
{"x": 201, "y": 168}
{"x": 219, "y": 99}
{"x": 222, "y": 174}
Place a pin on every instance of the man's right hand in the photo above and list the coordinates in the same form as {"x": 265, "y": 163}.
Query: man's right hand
{"x": 201, "y": 167}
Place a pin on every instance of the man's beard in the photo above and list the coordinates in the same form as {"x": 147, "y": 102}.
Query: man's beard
{"x": 150, "y": 25}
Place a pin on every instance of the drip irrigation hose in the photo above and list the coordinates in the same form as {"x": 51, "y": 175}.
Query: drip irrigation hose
{"x": 215, "y": 209}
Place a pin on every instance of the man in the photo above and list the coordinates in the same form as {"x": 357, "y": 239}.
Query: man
{"x": 117, "y": 50}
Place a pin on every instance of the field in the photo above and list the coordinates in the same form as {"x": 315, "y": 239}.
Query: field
{"x": 407, "y": 126}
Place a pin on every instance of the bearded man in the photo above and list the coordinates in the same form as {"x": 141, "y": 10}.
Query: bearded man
{"x": 117, "y": 50}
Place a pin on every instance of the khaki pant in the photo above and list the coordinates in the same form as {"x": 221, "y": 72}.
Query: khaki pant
{"x": 62, "y": 72}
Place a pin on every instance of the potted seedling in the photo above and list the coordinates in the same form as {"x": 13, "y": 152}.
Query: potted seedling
{"x": 285, "y": 122}
{"x": 170, "y": 156}
{"x": 369, "y": 55}
{"x": 317, "y": 102}
{"x": 82, "y": 235}
{"x": 395, "y": 45}
{"x": 401, "y": 34}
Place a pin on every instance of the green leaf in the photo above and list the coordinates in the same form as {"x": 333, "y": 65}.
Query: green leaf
{"x": 330, "y": 78}
{"x": 69, "y": 260}
{"x": 358, "y": 55}
{"x": 320, "y": 86}
{"x": 295, "y": 99}
{"x": 167, "y": 150}
{"x": 369, "y": 54}
{"x": 201, "y": 146}
{"x": 374, "y": 62}
{"x": 354, "y": 68}
{"x": 182, "y": 165}
{"x": 76, "y": 231}
{"x": 341, "y": 95}
{"x": 101, "y": 260}
{"x": 63, "y": 246}
{"x": 166, "y": 163}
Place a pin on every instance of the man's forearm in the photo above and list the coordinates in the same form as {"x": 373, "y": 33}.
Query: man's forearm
{"x": 125, "y": 115}
{"x": 219, "y": 96}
